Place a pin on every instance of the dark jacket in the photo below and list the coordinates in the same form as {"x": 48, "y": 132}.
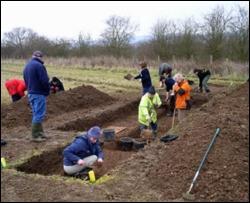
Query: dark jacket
{"x": 56, "y": 85}
{"x": 169, "y": 82}
{"x": 36, "y": 77}
{"x": 145, "y": 78}
{"x": 164, "y": 68}
{"x": 81, "y": 148}
{"x": 202, "y": 73}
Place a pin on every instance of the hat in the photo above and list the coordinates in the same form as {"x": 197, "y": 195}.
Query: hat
{"x": 94, "y": 132}
{"x": 151, "y": 90}
{"x": 37, "y": 54}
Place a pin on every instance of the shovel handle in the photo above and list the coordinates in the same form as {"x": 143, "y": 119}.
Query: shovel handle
{"x": 217, "y": 132}
{"x": 173, "y": 118}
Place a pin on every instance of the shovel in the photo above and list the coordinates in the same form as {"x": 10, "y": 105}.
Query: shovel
{"x": 128, "y": 77}
{"x": 173, "y": 119}
{"x": 187, "y": 195}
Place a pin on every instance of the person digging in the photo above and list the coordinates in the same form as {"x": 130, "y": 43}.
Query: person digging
{"x": 147, "y": 115}
{"x": 16, "y": 88}
{"x": 82, "y": 153}
{"x": 203, "y": 75}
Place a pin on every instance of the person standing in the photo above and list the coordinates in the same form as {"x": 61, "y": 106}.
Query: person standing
{"x": 170, "y": 96}
{"x": 37, "y": 82}
{"x": 16, "y": 88}
{"x": 182, "y": 91}
{"x": 145, "y": 77}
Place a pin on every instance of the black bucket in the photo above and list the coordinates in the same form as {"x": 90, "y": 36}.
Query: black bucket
{"x": 109, "y": 134}
{"x": 168, "y": 138}
{"x": 139, "y": 143}
{"x": 126, "y": 143}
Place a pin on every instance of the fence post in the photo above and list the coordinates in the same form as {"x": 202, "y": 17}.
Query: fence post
{"x": 173, "y": 59}
{"x": 158, "y": 59}
{"x": 211, "y": 59}
{"x": 192, "y": 58}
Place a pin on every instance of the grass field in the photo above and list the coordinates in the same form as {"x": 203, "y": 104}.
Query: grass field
{"x": 109, "y": 80}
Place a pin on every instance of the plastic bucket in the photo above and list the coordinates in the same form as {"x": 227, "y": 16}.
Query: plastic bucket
{"x": 109, "y": 134}
{"x": 139, "y": 143}
{"x": 168, "y": 138}
{"x": 126, "y": 143}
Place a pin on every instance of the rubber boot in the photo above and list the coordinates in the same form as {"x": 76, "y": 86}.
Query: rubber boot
{"x": 36, "y": 133}
{"x": 41, "y": 132}
{"x": 154, "y": 135}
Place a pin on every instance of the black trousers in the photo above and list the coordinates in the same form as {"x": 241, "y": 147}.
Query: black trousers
{"x": 15, "y": 97}
{"x": 172, "y": 103}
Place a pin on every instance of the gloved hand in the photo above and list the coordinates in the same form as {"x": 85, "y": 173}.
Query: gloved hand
{"x": 149, "y": 119}
{"x": 181, "y": 91}
{"x": 156, "y": 105}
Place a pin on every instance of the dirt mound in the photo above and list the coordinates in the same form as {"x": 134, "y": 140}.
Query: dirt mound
{"x": 167, "y": 170}
{"x": 162, "y": 171}
{"x": 19, "y": 113}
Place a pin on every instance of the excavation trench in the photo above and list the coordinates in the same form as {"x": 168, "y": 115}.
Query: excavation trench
{"x": 51, "y": 162}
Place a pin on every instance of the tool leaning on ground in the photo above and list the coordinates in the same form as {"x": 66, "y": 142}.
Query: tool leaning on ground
{"x": 187, "y": 195}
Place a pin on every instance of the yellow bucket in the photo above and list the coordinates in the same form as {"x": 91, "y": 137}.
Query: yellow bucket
{"x": 3, "y": 162}
{"x": 91, "y": 176}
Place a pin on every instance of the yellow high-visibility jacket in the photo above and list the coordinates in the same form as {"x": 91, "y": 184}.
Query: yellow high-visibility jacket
{"x": 147, "y": 109}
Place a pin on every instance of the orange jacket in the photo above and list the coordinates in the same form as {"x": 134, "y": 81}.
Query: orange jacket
{"x": 180, "y": 102}
{"x": 15, "y": 86}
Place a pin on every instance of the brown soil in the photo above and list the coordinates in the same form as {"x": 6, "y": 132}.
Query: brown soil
{"x": 50, "y": 163}
{"x": 19, "y": 113}
{"x": 159, "y": 172}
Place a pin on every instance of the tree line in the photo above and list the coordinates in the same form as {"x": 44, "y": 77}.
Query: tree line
{"x": 221, "y": 35}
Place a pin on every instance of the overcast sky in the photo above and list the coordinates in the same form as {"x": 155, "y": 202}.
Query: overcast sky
{"x": 67, "y": 19}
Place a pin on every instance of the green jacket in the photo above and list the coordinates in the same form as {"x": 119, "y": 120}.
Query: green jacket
{"x": 147, "y": 109}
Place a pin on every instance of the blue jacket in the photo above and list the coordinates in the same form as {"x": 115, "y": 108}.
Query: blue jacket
{"x": 145, "y": 78}
{"x": 169, "y": 82}
{"x": 36, "y": 77}
{"x": 81, "y": 148}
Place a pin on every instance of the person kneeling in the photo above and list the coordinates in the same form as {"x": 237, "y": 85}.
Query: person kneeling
{"x": 83, "y": 152}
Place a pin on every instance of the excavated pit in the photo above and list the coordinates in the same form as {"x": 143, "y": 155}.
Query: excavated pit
{"x": 51, "y": 162}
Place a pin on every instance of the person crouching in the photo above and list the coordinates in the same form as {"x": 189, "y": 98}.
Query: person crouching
{"x": 83, "y": 152}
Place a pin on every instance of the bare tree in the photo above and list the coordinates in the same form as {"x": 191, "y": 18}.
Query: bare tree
{"x": 83, "y": 45}
{"x": 118, "y": 34}
{"x": 164, "y": 38}
{"x": 18, "y": 38}
{"x": 214, "y": 29}
{"x": 239, "y": 39}
{"x": 188, "y": 38}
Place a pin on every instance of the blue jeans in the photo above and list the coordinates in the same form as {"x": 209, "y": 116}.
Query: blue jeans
{"x": 38, "y": 105}
{"x": 204, "y": 82}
